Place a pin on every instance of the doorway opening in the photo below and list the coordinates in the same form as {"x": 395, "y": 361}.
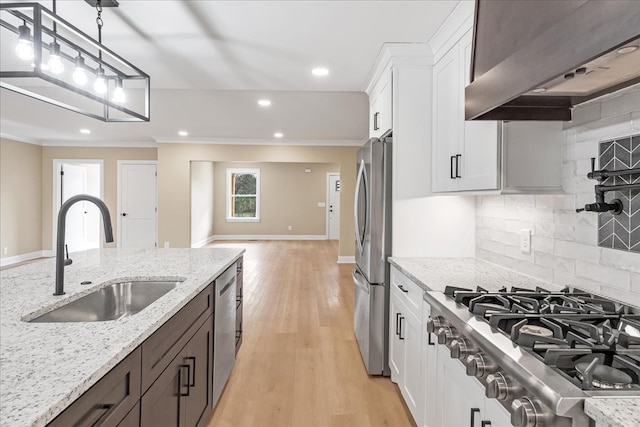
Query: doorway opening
{"x": 72, "y": 177}
{"x": 333, "y": 207}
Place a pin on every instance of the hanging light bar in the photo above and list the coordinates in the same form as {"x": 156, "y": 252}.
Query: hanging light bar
{"x": 48, "y": 47}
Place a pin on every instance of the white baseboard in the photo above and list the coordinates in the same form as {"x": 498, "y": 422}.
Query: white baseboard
{"x": 270, "y": 237}
{"x": 346, "y": 260}
{"x": 24, "y": 257}
{"x": 203, "y": 242}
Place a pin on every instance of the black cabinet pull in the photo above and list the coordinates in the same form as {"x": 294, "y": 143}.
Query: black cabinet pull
{"x": 124, "y": 214}
{"x": 180, "y": 393}
{"x": 403, "y": 289}
{"x": 429, "y": 342}
{"x": 397, "y": 323}
{"x": 192, "y": 379}
{"x": 400, "y": 334}
{"x": 451, "y": 167}
{"x": 458, "y": 156}
{"x": 485, "y": 423}
{"x": 375, "y": 121}
{"x": 473, "y": 416}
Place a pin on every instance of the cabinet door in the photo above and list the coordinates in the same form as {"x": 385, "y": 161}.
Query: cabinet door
{"x": 396, "y": 340}
{"x": 429, "y": 374}
{"x": 132, "y": 419}
{"x": 412, "y": 385}
{"x": 381, "y": 106}
{"x": 447, "y": 120}
{"x": 496, "y": 414}
{"x": 200, "y": 358}
{"x": 462, "y": 396}
{"x": 480, "y": 155}
{"x": 164, "y": 403}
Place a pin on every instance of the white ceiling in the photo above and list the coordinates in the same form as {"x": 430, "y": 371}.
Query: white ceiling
{"x": 210, "y": 61}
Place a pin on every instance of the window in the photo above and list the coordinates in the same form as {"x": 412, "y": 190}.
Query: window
{"x": 243, "y": 195}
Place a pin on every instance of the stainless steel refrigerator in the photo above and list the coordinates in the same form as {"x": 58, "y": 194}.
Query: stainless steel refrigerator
{"x": 373, "y": 246}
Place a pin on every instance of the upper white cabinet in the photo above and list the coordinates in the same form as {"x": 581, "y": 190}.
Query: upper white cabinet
{"x": 465, "y": 153}
{"x": 481, "y": 155}
{"x": 380, "y": 106}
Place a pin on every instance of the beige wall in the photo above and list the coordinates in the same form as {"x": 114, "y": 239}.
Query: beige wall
{"x": 174, "y": 180}
{"x": 288, "y": 196}
{"x": 110, "y": 155}
{"x": 20, "y": 197}
{"x": 202, "y": 205}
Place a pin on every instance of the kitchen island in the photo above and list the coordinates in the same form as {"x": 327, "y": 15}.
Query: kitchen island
{"x": 46, "y": 366}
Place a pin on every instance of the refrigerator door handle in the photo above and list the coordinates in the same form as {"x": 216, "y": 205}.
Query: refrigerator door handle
{"x": 360, "y": 281}
{"x": 362, "y": 179}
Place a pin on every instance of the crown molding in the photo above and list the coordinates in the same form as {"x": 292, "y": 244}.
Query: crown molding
{"x": 258, "y": 141}
{"x": 20, "y": 139}
{"x": 102, "y": 144}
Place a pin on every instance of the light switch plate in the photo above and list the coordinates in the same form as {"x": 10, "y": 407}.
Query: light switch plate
{"x": 525, "y": 241}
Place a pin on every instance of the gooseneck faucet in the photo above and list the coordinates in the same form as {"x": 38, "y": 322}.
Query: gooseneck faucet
{"x": 62, "y": 219}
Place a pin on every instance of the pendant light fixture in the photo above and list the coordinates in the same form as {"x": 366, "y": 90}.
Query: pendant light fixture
{"x": 47, "y": 46}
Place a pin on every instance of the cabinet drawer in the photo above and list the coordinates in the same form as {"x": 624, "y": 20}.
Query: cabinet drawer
{"x": 161, "y": 347}
{"x": 133, "y": 417}
{"x": 411, "y": 292}
{"x": 108, "y": 401}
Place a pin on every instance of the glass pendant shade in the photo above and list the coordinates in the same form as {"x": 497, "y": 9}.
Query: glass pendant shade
{"x": 55, "y": 63}
{"x": 100, "y": 85}
{"x": 80, "y": 74}
{"x": 24, "y": 49}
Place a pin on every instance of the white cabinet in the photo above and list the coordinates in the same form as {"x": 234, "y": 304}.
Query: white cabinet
{"x": 405, "y": 341}
{"x": 465, "y": 154}
{"x": 380, "y": 105}
{"x": 429, "y": 372}
{"x": 481, "y": 155}
{"x": 462, "y": 401}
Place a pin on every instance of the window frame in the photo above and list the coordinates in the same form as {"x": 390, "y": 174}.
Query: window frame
{"x": 229, "y": 195}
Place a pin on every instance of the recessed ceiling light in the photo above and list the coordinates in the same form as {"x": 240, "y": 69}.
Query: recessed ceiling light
{"x": 627, "y": 49}
{"x": 264, "y": 102}
{"x": 85, "y": 131}
{"x": 540, "y": 90}
{"x": 320, "y": 72}
{"x": 183, "y": 133}
{"x": 278, "y": 135}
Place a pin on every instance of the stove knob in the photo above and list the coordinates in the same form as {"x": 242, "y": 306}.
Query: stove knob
{"x": 460, "y": 348}
{"x": 527, "y": 412}
{"x": 433, "y": 323}
{"x": 500, "y": 386}
{"x": 446, "y": 334}
{"x": 479, "y": 365}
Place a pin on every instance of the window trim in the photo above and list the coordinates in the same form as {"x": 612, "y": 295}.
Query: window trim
{"x": 230, "y": 171}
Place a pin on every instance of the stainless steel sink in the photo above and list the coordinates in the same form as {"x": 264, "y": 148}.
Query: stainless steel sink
{"x": 111, "y": 302}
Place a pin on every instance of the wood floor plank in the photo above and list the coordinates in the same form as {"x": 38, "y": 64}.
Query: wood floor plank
{"x": 299, "y": 364}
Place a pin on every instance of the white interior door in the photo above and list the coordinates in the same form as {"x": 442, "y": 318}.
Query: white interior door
{"x": 138, "y": 217}
{"x": 73, "y": 177}
{"x": 333, "y": 211}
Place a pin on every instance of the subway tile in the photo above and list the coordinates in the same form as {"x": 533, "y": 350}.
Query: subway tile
{"x": 635, "y": 282}
{"x": 586, "y": 234}
{"x": 575, "y": 250}
{"x": 491, "y": 211}
{"x": 555, "y": 201}
{"x": 492, "y": 200}
{"x": 628, "y": 261}
{"x": 489, "y": 222}
{"x": 586, "y": 284}
{"x": 592, "y": 133}
{"x": 603, "y": 274}
{"x": 541, "y": 244}
{"x": 568, "y": 169}
{"x": 514, "y": 252}
{"x": 492, "y": 246}
{"x": 543, "y": 215}
{"x": 585, "y": 114}
{"x": 554, "y": 262}
{"x": 530, "y": 269}
{"x": 520, "y": 213}
{"x": 520, "y": 200}
{"x": 626, "y": 102}
{"x": 556, "y": 231}
{"x": 514, "y": 225}
{"x": 565, "y": 216}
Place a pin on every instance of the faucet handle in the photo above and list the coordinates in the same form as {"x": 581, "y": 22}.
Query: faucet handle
{"x": 67, "y": 261}
{"x": 593, "y": 164}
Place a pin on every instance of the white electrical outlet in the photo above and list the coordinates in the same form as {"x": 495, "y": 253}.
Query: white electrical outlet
{"x": 166, "y": 245}
{"x": 525, "y": 241}
{"x": 289, "y": 228}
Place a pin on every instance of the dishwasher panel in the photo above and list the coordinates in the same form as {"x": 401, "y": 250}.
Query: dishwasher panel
{"x": 224, "y": 350}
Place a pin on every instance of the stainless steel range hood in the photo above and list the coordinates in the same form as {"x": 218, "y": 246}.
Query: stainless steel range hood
{"x": 535, "y": 60}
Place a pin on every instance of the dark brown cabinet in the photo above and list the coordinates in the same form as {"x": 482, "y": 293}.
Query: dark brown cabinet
{"x": 181, "y": 396}
{"x": 108, "y": 401}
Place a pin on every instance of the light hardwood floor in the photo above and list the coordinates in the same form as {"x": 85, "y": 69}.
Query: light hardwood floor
{"x": 299, "y": 363}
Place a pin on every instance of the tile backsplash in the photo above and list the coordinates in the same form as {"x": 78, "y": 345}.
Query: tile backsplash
{"x": 621, "y": 231}
{"x": 564, "y": 244}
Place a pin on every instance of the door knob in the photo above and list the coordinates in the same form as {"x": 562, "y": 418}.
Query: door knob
{"x": 124, "y": 214}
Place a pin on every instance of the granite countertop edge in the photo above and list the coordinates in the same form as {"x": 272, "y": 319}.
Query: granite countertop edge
{"x": 30, "y": 396}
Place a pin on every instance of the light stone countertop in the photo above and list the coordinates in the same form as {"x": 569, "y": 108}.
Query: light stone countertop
{"x": 613, "y": 412}
{"x": 46, "y": 366}
{"x": 434, "y": 274}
